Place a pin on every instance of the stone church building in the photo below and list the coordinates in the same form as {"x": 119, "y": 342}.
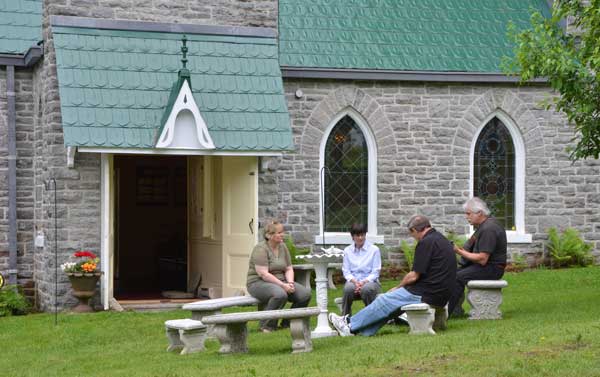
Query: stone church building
{"x": 162, "y": 134}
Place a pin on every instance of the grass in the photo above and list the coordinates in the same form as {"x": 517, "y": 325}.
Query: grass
{"x": 551, "y": 327}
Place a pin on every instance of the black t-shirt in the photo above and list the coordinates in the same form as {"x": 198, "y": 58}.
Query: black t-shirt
{"x": 489, "y": 237}
{"x": 436, "y": 263}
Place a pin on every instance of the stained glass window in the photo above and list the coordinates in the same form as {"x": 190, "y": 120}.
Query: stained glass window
{"x": 346, "y": 177}
{"x": 494, "y": 171}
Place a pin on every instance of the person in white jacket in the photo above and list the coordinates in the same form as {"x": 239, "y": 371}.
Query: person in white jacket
{"x": 361, "y": 268}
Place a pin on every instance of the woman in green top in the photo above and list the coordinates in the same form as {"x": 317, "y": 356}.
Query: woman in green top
{"x": 271, "y": 276}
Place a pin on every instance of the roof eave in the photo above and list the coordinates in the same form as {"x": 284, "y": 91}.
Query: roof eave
{"x": 394, "y": 75}
{"x": 28, "y": 59}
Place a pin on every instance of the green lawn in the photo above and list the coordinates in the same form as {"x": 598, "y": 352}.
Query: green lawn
{"x": 551, "y": 327}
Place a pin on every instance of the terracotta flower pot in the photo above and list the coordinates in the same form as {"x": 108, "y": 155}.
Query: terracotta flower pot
{"x": 84, "y": 287}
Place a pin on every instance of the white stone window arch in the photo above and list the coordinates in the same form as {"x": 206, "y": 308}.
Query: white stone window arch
{"x": 518, "y": 235}
{"x": 344, "y": 237}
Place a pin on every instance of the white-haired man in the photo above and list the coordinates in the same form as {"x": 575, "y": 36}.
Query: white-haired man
{"x": 483, "y": 256}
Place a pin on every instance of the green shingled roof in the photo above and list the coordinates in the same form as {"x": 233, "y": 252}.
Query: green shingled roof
{"x": 20, "y": 25}
{"x": 405, "y": 35}
{"x": 115, "y": 85}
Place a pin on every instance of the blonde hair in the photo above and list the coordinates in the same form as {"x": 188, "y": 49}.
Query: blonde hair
{"x": 271, "y": 228}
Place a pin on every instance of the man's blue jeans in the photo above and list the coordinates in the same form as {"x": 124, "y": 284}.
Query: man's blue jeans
{"x": 370, "y": 319}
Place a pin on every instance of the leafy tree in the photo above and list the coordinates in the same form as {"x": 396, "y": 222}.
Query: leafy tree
{"x": 570, "y": 61}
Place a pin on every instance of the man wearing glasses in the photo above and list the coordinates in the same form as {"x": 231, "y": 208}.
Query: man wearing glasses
{"x": 430, "y": 281}
{"x": 361, "y": 267}
{"x": 483, "y": 256}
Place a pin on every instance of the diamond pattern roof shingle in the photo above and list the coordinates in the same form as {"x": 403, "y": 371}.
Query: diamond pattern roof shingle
{"x": 115, "y": 85}
{"x": 20, "y": 25}
{"x": 406, "y": 35}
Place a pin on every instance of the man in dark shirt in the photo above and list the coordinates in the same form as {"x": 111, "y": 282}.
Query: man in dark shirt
{"x": 430, "y": 281}
{"x": 483, "y": 256}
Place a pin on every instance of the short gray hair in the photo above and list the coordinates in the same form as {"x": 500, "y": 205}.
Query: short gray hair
{"x": 418, "y": 223}
{"x": 476, "y": 205}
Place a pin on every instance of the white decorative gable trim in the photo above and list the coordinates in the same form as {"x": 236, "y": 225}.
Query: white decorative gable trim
{"x": 184, "y": 119}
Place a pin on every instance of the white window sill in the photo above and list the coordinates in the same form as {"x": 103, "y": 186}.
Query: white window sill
{"x": 344, "y": 239}
{"x": 514, "y": 237}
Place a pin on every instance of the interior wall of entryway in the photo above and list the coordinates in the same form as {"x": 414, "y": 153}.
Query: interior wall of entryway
{"x": 150, "y": 225}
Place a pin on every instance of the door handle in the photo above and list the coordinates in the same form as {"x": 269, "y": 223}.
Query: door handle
{"x": 250, "y": 225}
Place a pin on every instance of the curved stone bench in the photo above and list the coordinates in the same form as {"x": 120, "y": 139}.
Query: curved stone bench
{"x": 201, "y": 309}
{"x": 232, "y": 332}
{"x": 185, "y": 334}
{"x": 426, "y": 319}
{"x": 485, "y": 297}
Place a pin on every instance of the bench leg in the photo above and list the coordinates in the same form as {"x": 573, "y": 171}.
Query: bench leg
{"x": 232, "y": 337}
{"x": 301, "y": 342}
{"x": 485, "y": 303}
{"x": 174, "y": 341}
{"x": 198, "y": 317}
{"x": 421, "y": 321}
{"x": 193, "y": 340}
{"x": 441, "y": 318}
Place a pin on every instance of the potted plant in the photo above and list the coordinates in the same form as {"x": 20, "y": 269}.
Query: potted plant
{"x": 83, "y": 272}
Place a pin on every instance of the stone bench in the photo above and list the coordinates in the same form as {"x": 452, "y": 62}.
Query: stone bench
{"x": 201, "y": 309}
{"x": 485, "y": 297}
{"x": 426, "y": 319}
{"x": 231, "y": 330}
{"x": 185, "y": 334}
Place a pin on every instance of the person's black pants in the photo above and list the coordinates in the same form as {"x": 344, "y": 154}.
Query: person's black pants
{"x": 466, "y": 274}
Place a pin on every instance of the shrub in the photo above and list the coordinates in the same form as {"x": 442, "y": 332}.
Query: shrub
{"x": 12, "y": 302}
{"x": 568, "y": 248}
{"x": 517, "y": 263}
{"x": 456, "y": 239}
{"x": 294, "y": 250}
{"x": 409, "y": 252}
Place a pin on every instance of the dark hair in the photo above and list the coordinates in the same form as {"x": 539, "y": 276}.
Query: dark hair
{"x": 357, "y": 228}
{"x": 418, "y": 223}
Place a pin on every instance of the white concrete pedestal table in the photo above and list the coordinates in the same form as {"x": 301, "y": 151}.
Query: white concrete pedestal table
{"x": 320, "y": 263}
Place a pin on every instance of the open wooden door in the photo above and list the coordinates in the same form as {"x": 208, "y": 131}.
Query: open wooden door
{"x": 240, "y": 213}
{"x": 204, "y": 221}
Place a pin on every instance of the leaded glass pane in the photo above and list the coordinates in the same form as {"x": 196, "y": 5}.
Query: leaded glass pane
{"x": 495, "y": 171}
{"x": 346, "y": 177}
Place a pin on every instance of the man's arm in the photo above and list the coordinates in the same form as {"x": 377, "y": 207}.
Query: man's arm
{"x": 408, "y": 279}
{"x": 480, "y": 258}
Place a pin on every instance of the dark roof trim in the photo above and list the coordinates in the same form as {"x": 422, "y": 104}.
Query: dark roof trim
{"x": 96, "y": 23}
{"x": 386, "y": 75}
{"x": 29, "y": 59}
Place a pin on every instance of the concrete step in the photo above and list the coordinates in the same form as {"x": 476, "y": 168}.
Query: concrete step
{"x": 153, "y": 305}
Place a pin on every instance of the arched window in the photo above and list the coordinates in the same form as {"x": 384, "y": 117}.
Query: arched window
{"x": 494, "y": 171}
{"x": 348, "y": 166}
{"x": 346, "y": 177}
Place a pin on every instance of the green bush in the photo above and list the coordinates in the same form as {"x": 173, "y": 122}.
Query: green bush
{"x": 409, "y": 252}
{"x": 294, "y": 250}
{"x": 568, "y": 248}
{"x": 12, "y": 302}
{"x": 456, "y": 239}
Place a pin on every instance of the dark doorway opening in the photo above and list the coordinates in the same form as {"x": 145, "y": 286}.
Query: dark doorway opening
{"x": 150, "y": 226}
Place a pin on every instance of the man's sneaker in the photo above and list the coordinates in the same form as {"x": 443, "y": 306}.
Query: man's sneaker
{"x": 403, "y": 318}
{"x": 340, "y": 323}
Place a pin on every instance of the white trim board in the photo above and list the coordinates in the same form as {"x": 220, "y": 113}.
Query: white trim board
{"x": 176, "y": 152}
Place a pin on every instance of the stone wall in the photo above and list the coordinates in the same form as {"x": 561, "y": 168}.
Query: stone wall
{"x": 423, "y": 134}
{"x": 259, "y": 13}
{"x": 24, "y": 135}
